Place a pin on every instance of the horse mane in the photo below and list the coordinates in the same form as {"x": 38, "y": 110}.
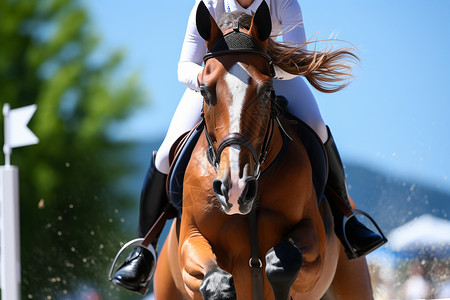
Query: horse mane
{"x": 327, "y": 70}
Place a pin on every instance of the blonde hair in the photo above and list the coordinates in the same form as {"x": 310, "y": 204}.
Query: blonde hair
{"x": 328, "y": 70}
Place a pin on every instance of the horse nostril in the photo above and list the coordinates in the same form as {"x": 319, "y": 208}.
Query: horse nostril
{"x": 251, "y": 188}
{"x": 220, "y": 189}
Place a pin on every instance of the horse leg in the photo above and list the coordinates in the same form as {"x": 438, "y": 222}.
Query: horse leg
{"x": 283, "y": 262}
{"x": 352, "y": 279}
{"x": 202, "y": 276}
{"x": 299, "y": 255}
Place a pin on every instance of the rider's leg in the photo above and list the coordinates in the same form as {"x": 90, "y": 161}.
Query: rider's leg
{"x": 302, "y": 104}
{"x": 361, "y": 239}
{"x": 135, "y": 273}
{"x": 187, "y": 115}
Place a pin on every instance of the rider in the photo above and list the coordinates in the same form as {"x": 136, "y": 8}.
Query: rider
{"x": 286, "y": 15}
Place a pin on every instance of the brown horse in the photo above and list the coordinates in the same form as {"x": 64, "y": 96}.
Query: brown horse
{"x": 235, "y": 174}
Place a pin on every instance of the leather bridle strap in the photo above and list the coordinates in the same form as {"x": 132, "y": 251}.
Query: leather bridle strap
{"x": 239, "y": 139}
{"x": 236, "y": 138}
{"x": 242, "y": 51}
{"x": 152, "y": 235}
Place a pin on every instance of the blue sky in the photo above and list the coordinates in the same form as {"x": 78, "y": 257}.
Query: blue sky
{"x": 394, "y": 117}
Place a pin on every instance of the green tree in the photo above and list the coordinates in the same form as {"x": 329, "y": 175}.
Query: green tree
{"x": 71, "y": 214}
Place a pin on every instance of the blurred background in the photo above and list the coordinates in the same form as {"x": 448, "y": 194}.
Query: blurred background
{"x": 103, "y": 74}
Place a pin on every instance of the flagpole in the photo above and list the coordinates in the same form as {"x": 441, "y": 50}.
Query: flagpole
{"x": 17, "y": 134}
{"x": 7, "y": 145}
{"x": 10, "y": 234}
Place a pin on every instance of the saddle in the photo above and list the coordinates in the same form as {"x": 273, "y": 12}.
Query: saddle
{"x": 182, "y": 149}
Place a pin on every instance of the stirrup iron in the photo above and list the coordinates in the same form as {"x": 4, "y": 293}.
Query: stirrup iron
{"x": 135, "y": 242}
{"x": 350, "y": 250}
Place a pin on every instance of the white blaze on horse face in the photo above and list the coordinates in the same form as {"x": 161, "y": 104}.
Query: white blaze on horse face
{"x": 237, "y": 80}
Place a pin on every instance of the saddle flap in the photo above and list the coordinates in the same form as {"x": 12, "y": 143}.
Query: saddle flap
{"x": 179, "y": 157}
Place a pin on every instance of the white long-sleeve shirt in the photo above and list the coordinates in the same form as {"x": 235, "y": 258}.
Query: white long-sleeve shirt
{"x": 286, "y": 18}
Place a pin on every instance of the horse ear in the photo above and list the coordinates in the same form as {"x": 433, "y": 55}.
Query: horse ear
{"x": 207, "y": 26}
{"x": 261, "y": 25}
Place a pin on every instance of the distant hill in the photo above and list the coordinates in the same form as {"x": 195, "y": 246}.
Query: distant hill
{"x": 390, "y": 200}
{"x": 393, "y": 201}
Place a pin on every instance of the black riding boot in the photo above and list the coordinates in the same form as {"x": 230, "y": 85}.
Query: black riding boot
{"x": 357, "y": 239}
{"x": 136, "y": 271}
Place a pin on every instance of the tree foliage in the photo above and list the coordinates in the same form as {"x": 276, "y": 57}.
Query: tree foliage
{"x": 71, "y": 214}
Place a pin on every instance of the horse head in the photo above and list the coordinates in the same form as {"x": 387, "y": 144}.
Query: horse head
{"x": 236, "y": 84}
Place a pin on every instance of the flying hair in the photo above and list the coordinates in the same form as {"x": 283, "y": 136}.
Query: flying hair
{"x": 328, "y": 70}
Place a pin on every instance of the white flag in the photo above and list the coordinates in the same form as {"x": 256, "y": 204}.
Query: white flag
{"x": 18, "y": 134}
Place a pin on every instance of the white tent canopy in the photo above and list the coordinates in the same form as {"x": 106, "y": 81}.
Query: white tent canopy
{"x": 425, "y": 231}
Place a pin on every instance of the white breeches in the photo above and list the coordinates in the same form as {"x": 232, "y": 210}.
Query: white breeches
{"x": 187, "y": 114}
{"x": 302, "y": 104}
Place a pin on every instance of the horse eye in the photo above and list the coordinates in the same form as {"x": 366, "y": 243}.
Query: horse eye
{"x": 266, "y": 96}
{"x": 205, "y": 95}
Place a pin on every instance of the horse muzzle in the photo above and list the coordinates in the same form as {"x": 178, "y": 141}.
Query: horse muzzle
{"x": 235, "y": 189}
{"x": 236, "y": 197}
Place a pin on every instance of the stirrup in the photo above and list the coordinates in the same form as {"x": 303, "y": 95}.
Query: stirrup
{"x": 351, "y": 252}
{"x": 135, "y": 242}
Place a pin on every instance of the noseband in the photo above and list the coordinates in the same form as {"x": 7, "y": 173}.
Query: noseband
{"x": 238, "y": 139}
{"x": 232, "y": 43}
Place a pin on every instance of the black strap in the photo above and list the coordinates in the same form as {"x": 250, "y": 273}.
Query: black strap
{"x": 152, "y": 235}
{"x": 255, "y": 262}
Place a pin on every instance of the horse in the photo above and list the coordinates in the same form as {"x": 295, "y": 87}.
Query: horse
{"x": 242, "y": 199}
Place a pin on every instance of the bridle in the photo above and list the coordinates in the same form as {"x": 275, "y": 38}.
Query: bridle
{"x": 233, "y": 43}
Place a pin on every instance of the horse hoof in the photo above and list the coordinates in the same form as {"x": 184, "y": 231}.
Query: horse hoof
{"x": 283, "y": 262}
{"x": 218, "y": 284}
